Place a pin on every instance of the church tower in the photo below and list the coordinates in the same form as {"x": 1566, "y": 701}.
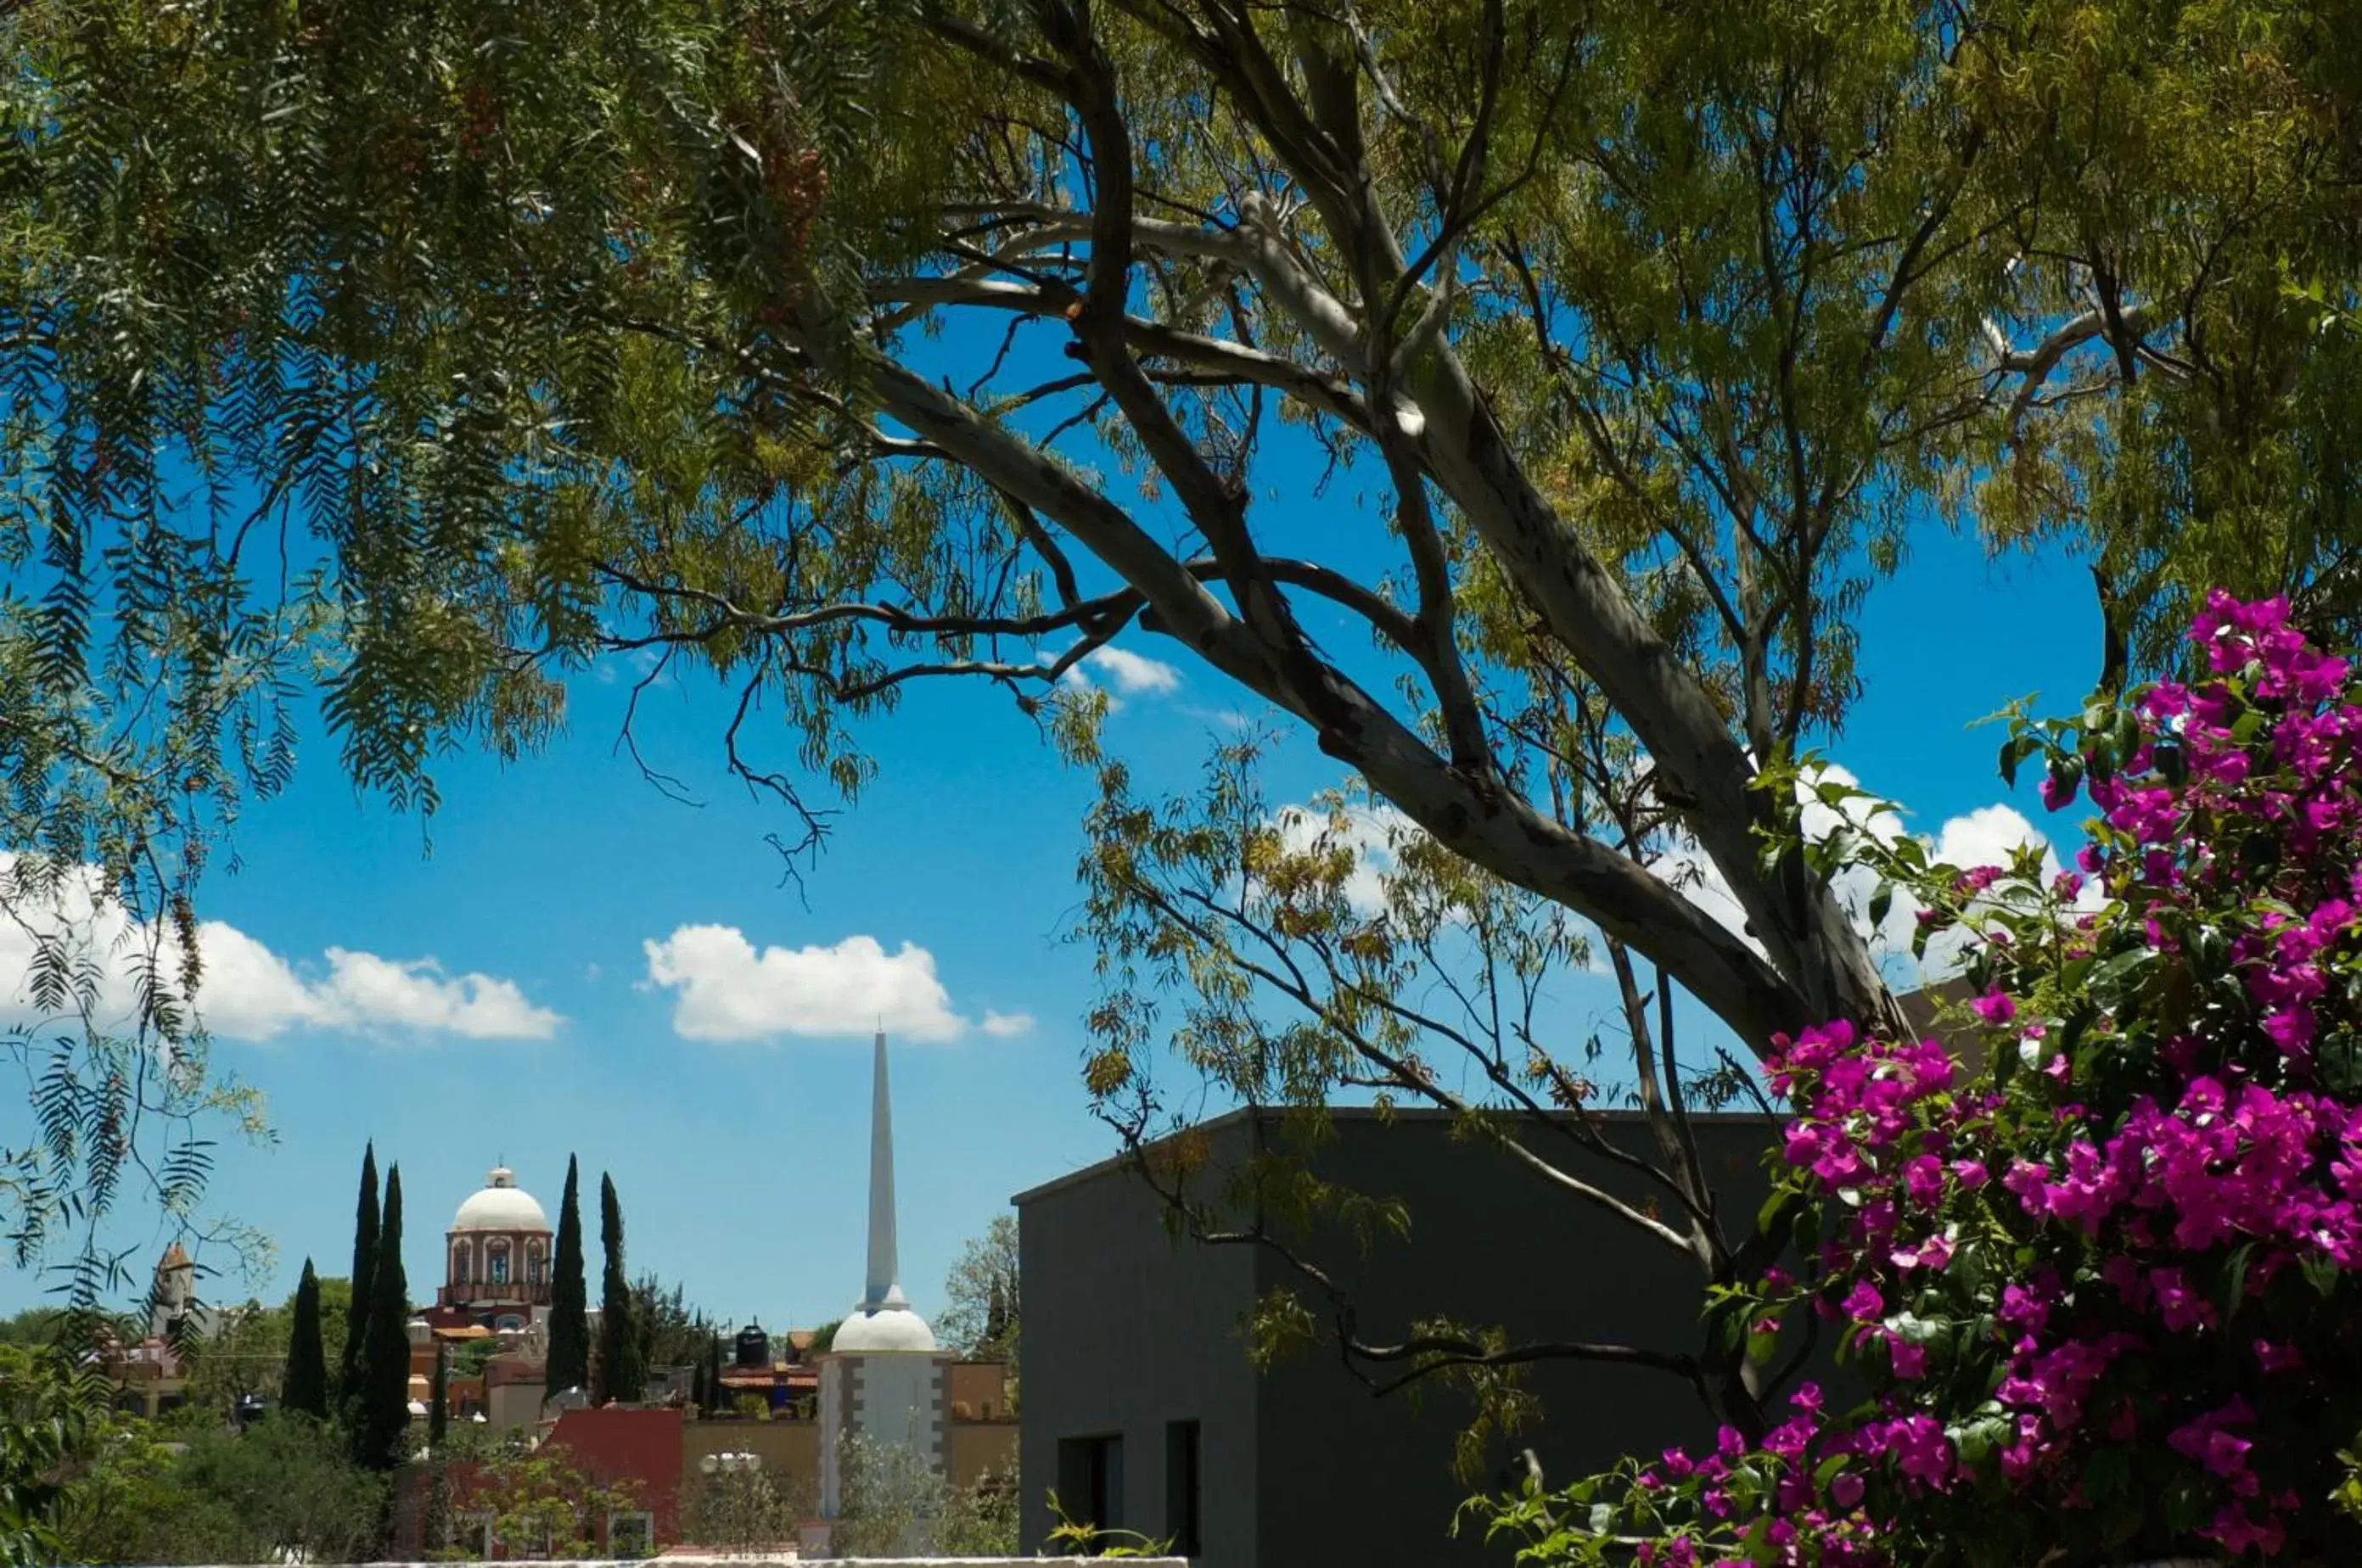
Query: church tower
{"x": 173, "y": 1292}
{"x": 883, "y": 1377}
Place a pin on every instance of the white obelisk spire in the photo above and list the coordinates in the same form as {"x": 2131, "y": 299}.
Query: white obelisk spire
{"x": 884, "y": 1288}
{"x": 882, "y": 1375}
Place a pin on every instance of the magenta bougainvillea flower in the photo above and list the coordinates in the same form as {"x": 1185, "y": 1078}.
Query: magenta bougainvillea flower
{"x": 2100, "y": 1290}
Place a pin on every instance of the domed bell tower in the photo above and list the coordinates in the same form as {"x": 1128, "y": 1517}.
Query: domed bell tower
{"x": 497, "y": 1254}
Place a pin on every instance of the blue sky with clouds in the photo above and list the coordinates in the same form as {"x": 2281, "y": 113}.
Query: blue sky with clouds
{"x": 585, "y": 965}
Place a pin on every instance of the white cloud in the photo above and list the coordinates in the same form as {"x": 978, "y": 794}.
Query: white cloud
{"x": 364, "y": 990}
{"x": 729, "y": 991}
{"x": 1131, "y": 673}
{"x": 247, "y": 991}
{"x": 1007, "y": 1026}
{"x": 250, "y": 992}
{"x": 1126, "y": 674}
{"x": 1227, "y": 717}
{"x": 1987, "y": 836}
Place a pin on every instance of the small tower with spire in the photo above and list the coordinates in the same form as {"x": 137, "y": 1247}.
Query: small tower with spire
{"x": 173, "y": 1294}
{"x": 882, "y": 1376}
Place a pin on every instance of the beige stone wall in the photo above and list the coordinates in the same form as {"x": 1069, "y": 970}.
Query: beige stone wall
{"x": 791, "y": 1450}
{"x": 979, "y": 1447}
{"x": 508, "y": 1406}
{"x": 979, "y": 1390}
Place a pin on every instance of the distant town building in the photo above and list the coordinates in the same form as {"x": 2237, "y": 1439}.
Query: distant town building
{"x": 149, "y": 1377}
{"x": 491, "y": 1315}
{"x": 775, "y": 1370}
{"x": 497, "y": 1257}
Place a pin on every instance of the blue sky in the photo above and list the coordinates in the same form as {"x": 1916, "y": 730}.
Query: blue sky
{"x": 741, "y": 1160}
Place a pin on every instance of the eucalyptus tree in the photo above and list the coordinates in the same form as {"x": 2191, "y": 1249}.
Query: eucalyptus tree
{"x": 1519, "y": 400}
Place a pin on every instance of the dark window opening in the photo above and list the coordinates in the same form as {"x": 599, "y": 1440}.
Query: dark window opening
{"x": 1181, "y": 1505}
{"x": 1090, "y": 1481}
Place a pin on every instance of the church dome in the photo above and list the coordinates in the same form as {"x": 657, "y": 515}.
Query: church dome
{"x": 882, "y": 1328}
{"x": 502, "y": 1205}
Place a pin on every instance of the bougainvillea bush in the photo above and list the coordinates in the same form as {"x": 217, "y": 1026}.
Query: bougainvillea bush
{"x": 2101, "y": 1286}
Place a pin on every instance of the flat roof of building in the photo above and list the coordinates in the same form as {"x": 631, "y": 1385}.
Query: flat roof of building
{"x": 1358, "y": 1113}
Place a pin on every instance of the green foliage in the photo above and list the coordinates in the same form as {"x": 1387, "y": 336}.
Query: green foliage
{"x": 980, "y": 1314}
{"x": 47, "y": 1407}
{"x": 1082, "y": 1538}
{"x": 245, "y": 1353}
{"x": 468, "y": 1440}
{"x": 892, "y": 1503}
{"x": 284, "y": 1487}
{"x": 501, "y": 340}
{"x": 383, "y": 1411}
{"x": 671, "y": 1332}
{"x": 569, "y": 1302}
{"x": 738, "y": 1508}
{"x": 622, "y": 1369}
{"x": 543, "y": 1505}
{"x": 33, "y": 1327}
{"x": 336, "y": 1313}
{"x": 825, "y": 1335}
{"x": 131, "y": 1503}
{"x": 982, "y": 1317}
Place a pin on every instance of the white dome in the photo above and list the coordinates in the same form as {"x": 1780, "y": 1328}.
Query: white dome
{"x": 502, "y": 1205}
{"x": 885, "y": 1327}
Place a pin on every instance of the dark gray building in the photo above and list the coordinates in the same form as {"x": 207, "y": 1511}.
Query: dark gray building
{"x": 1141, "y": 1406}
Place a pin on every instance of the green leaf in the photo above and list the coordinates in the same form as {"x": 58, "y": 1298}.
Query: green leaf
{"x": 2107, "y": 1473}
{"x": 2109, "y": 981}
{"x": 2234, "y": 1279}
{"x": 2014, "y": 750}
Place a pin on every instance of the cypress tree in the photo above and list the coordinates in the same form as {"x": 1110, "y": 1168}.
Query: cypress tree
{"x": 623, "y": 1369}
{"x": 348, "y": 1387}
{"x": 306, "y": 1386}
{"x": 570, "y": 1300}
{"x": 385, "y": 1363}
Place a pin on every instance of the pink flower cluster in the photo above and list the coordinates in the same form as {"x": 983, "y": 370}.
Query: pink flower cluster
{"x": 2194, "y": 1150}
{"x": 1805, "y": 1519}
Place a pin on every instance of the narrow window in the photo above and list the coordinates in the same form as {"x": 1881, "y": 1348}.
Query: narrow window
{"x": 1090, "y": 1481}
{"x": 631, "y": 1535}
{"x": 1181, "y": 1486}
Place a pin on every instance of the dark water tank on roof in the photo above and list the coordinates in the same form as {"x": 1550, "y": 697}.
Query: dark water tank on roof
{"x": 754, "y": 1346}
